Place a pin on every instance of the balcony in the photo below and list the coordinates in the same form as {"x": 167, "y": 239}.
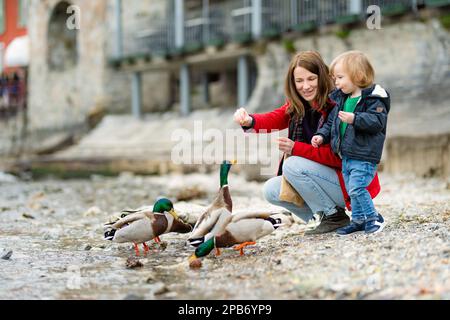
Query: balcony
{"x": 218, "y": 22}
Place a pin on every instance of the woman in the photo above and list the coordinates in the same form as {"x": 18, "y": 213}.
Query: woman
{"x": 315, "y": 173}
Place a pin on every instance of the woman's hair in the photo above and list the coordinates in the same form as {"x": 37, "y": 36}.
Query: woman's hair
{"x": 358, "y": 67}
{"x": 313, "y": 62}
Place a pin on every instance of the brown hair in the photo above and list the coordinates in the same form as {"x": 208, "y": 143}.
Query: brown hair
{"x": 313, "y": 62}
{"x": 358, "y": 67}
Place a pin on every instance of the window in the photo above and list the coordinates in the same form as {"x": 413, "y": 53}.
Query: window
{"x": 23, "y": 13}
{"x": 2, "y": 16}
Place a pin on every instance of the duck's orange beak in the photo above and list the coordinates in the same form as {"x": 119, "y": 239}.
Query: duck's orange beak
{"x": 192, "y": 258}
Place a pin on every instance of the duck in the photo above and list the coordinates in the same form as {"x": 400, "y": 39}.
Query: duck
{"x": 139, "y": 226}
{"x": 209, "y": 218}
{"x": 240, "y": 229}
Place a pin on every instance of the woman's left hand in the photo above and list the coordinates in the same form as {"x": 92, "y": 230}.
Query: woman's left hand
{"x": 286, "y": 145}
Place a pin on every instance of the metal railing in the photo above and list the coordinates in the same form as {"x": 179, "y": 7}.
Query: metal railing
{"x": 231, "y": 20}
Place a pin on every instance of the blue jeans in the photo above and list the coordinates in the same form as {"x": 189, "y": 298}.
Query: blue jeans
{"x": 316, "y": 183}
{"x": 357, "y": 176}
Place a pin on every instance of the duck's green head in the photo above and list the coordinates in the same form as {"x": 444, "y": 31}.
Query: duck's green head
{"x": 224, "y": 170}
{"x": 165, "y": 205}
{"x": 204, "y": 249}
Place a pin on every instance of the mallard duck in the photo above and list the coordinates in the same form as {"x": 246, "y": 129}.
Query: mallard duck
{"x": 241, "y": 229}
{"x": 145, "y": 224}
{"x": 209, "y": 218}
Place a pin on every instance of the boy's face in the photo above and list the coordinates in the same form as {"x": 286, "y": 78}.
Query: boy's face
{"x": 306, "y": 83}
{"x": 342, "y": 79}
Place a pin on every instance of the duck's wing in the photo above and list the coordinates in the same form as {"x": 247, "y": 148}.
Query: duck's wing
{"x": 223, "y": 219}
{"x": 205, "y": 223}
{"x": 216, "y": 223}
{"x": 139, "y": 231}
{"x": 251, "y": 215}
{"x": 251, "y": 229}
{"x": 129, "y": 219}
{"x": 251, "y": 226}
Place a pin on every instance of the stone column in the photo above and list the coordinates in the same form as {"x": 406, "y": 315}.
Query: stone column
{"x": 136, "y": 95}
{"x": 243, "y": 81}
{"x": 118, "y": 45}
{"x": 179, "y": 23}
{"x": 185, "y": 90}
{"x": 256, "y": 18}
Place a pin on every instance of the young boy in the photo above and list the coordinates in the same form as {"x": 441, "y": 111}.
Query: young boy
{"x": 357, "y": 130}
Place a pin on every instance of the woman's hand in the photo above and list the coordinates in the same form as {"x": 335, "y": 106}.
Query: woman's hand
{"x": 242, "y": 118}
{"x": 316, "y": 141}
{"x": 286, "y": 145}
{"x": 347, "y": 117}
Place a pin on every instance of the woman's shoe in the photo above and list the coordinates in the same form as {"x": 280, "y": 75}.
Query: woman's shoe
{"x": 330, "y": 223}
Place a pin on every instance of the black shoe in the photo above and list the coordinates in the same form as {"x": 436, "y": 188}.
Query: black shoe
{"x": 331, "y": 222}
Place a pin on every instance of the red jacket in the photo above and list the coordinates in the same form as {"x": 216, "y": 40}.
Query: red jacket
{"x": 278, "y": 119}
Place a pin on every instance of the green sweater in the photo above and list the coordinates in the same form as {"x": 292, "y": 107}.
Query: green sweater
{"x": 349, "y": 106}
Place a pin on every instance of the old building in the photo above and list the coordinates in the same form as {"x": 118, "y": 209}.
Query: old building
{"x": 148, "y": 57}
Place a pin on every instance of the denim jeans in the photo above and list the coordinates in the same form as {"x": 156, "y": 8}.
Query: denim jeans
{"x": 357, "y": 176}
{"x": 316, "y": 183}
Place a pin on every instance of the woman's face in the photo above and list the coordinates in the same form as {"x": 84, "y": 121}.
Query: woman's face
{"x": 306, "y": 83}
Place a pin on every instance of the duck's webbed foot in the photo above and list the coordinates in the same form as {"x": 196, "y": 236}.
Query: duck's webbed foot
{"x": 240, "y": 247}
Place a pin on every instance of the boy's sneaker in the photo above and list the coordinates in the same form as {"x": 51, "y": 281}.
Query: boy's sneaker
{"x": 351, "y": 228}
{"x": 375, "y": 226}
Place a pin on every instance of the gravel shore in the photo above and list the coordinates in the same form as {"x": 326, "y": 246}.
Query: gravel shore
{"x": 52, "y": 247}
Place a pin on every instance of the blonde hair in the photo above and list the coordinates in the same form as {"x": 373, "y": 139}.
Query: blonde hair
{"x": 358, "y": 67}
{"x": 313, "y": 62}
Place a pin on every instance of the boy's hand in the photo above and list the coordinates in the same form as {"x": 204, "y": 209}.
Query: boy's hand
{"x": 286, "y": 145}
{"x": 316, "y": 141}
{"x": 347, "y": 117}
{"x": 242, "y": 118}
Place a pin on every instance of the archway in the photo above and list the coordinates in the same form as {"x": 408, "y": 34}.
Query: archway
{"x": 62, "y": 39}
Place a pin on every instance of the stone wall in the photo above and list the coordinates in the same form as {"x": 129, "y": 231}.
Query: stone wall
{"x": 61, "y": 100}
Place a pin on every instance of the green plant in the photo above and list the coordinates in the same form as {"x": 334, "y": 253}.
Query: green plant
{"x": 445, "y": 21}
{"x": 289, "y": 46}
{"x": 343, "y": 33}
{"x": 130, "y": 60}
{"x": 193, "y": 47}
{"x": 114, "y": 63}
{"x": 437, "y": 3}
{"x": 305, "y": 26}
{"x": 271, "y": 33}
{"x": 348, "y": 19}
{"x": 216, "y": 42}
{"x": 394, "y": 9}
{"x": 243, "y": 38}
